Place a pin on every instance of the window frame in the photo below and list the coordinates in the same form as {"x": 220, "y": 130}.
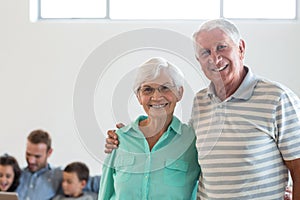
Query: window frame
{"x": 37, "y": 16}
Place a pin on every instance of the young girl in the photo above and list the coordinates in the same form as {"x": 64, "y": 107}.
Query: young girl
{"x": 10, "y": 173}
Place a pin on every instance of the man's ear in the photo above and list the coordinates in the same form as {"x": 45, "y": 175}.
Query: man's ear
{"x": 49, "y": 152}
{"x": 242, "y": 49}
{"x": 83, "y": 183}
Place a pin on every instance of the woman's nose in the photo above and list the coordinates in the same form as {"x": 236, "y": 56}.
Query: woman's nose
{"x": 156, "y": 94}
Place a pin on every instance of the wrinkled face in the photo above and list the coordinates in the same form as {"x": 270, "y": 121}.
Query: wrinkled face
{"x": 72, "y": 186}
{"x": 7, "y": 176}
{"x": 220, "y": 58}
{"x": 159, "y": 96}
{"x": 36, "y": 156}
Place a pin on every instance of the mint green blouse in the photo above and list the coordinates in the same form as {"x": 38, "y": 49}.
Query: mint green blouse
{"x": 169, "y": 171}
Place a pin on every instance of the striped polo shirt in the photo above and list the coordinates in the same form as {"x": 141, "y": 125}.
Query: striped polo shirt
{"x": 242, "y": 142}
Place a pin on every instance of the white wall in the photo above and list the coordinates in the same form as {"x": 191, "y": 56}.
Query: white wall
{"x": 40, "y": 63}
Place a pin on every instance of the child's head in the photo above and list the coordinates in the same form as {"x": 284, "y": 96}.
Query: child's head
{"x": 75, "y": 177}
{"x": 10, "y": 173}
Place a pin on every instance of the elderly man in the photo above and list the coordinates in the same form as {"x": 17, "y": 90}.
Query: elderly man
{"x": 247, "y": 154}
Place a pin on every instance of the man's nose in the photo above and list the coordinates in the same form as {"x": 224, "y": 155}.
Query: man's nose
{"x": 31, "y": 159}
{"x": 215, "y": 58}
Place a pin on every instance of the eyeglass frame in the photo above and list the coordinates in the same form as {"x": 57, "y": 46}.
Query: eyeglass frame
{"x": 159, "y": 89}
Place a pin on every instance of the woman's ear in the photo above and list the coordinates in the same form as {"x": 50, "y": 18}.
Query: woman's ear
{"x": 180, "y": 93}
{"x": 139, "y": 98}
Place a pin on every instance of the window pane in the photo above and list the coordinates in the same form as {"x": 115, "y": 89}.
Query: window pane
{"x": 267, "y": 9}
{"x": 73, "y": 8}
{"x": 164, "y": 9}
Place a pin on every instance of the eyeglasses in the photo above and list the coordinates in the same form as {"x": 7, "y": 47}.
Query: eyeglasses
{"x": 163, "y": 89}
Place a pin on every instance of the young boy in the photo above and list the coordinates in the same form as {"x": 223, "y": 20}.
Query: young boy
{"x": 75, "y": 177}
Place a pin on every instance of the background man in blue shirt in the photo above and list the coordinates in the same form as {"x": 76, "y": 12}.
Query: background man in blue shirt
{"x": 40, "y": 180}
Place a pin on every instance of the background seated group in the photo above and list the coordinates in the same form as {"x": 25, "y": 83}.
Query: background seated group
{"x": 39, "y": 180}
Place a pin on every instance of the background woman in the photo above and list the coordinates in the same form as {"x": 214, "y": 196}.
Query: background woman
{"x": 10, "y": 173}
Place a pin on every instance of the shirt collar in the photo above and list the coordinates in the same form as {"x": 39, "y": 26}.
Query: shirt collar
{"x": 175, "y": 125}
{"x": 47, "y": 168}
{"x": 244, "y": 91}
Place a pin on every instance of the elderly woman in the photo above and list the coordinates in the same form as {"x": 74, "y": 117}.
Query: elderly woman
{"x": 156, "y": 158}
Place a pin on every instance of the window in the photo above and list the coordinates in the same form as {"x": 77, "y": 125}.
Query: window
{"x": 72, "y": 9}
{"x": 166, "y": 9}
{"x": 265, "y": 9}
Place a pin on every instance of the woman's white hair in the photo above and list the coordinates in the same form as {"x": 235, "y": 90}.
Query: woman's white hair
{"x": 152, "y": 68}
